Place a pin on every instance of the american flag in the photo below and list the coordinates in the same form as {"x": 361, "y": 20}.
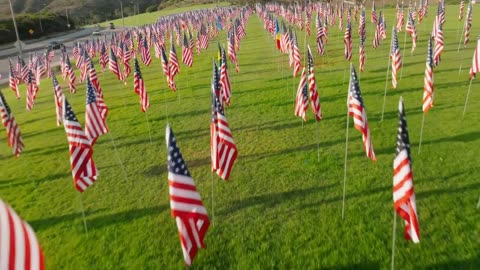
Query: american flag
{"x": 361, "y": 54}
{"x": 357, "y": 110}
{"x": 395, "y": 57}
{"x": 462, "y": 6}
{"x": 428, "y": 80}
{"x": 312, "y": 86}
{"x": 374, "y": 18}
{"x": 224, "y": 150}
{"x": 307, "y": 24}
{"x": 438, "y": 50}
{"x": 103, "y": 58}
{"x": 232, "y": 54}
{"x": 320, "y": 34}
{"x": 361, "y": 25}
{"x": 173, "y": 60}
{"x": 84, "y": 171}
{"x": 376, "y": 38}
{"x": 400, "y": 19}
{"x": 297, "y": 64}
{"x": 468, "y": 25}
{"x": 139, "y": 86}
{"x": 475, "y": 61}
{"x": 58, "y": 94}
{"x": 403, "y": 193}
{"x": 20, "y": 248}
{"x": 383, "y": 26}
{"x": 95, "y": 125}
{"x": 187, "y": 54}
{"x": 190, "y": 40}
{"x": 92, "y": 73}
{"x": 13, "y": 80}
{"x": 84, "y": 67}
{"x": 166, "y": 71}
{"x": 185, "y": 202}
{"x": 145, "y": 53}
{"x": 70, "y": 74}
{"x": 301, "y": 102}
{"x": 411, "y": 30}
{"x": 127, "y": 55}
{"x": 13, "y": 131}
{"x": 347, "y": 39}
{"x": 224, "y": 79}
{"x": 113, "y": 66}
{"x": 32, "y": 89}
{"x": 157, "y": 46}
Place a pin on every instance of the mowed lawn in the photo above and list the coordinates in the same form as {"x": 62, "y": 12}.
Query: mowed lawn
{"x": 282, "y": 207}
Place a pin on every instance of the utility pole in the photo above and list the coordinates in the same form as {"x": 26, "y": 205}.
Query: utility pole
{"x": 16, "y": 29}
{"x": 121, "y": 10}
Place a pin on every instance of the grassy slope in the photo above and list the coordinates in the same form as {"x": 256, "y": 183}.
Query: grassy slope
{"x": 152, "y": 17}
{"x": 282, "y": 208}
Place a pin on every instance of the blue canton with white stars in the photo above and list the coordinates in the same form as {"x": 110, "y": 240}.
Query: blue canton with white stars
{"x": 137, "y": 69}
{"x": 91, "y": 97}
{"x": 354, "y": 86}
{"x": 176, "y": 163}
{"x": 403, "y": 141}
{"x": 69, "y": 114}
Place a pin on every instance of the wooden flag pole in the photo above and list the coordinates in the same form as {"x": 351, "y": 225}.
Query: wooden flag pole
{"x": 394, "y": 233}
{"x": 118, "y": 156}
{"x": 421, "y": 133}
{"x": 83, "y": 214}
{"x": 345, "y": 166}
{"x": 148, "y": 125}
{"x": 466, "y": 99}
{"x": 386, "y": 80}
{"x": 403, "y": 54}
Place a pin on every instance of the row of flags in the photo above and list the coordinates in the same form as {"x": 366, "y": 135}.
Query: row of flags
{"x": 186, "y": 204}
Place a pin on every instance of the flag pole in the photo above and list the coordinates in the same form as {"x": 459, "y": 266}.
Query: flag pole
{"x": 394, "y": 233}
{"x": 83, "y": 214}
{"x": 118, "y": 156}
{"x": 421, "y": 133}
{"x": 466, "y": 99}
{"x": 386, "y": 79}
{"x": 345, "y": 164}
{"x": 213, "y": 211}
{"x": 460, "y": 40}
{"x": 478, "y": 204}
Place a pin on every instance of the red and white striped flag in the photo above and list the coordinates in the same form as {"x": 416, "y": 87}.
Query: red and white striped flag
{"x": 232, "y": 54}
{"x": 224, "y": 150}
{"x": 428, "y": 80}
{"x": 475, "y": 61}
{"x": 403, "y": 193}
{"x": 411, "y": 30}
{"x": 13, "y": 81}
{"x": 14, "y": 136}
{"x": 438, "y": 50}
{"x": 95, "y": 125}
{"x": 113, "y": 66}
{"x": 297, "y": 64}
{"x": 301, "y": 101}
{"x": 312, "y": 87}
{"x": 58, "y": 94}
{"x": 145, "y": 53}
{"x": 84, "y": 171}
{"x": 374, "y": 18}
{"x": 357, "y": 110}
{"x": 185, "y": 202}
{"x": 462, "y": 6}
{"x": 468, "y": 25}
{"x": 32, "y": 90}
{"x": 224, "y": 79}
{"x": 71, "y": 75}
{"x": 396, "y": 58}
{"x": 19, "y": 247}
{"x": 347, "y": 39}
{"x": 139, "y": 86}
{"x": 173, "y": 60}
{"x": 187, "y": 54}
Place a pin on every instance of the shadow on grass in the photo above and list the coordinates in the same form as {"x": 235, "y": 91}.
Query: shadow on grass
{"x": 125, "y": 216}
{"x": 363, "y": 265}
{"x": 157, "y": 170}
{"x": 16, "y": 183}
{"x": 465, "y": 264}
{"x": 45, "y": 223}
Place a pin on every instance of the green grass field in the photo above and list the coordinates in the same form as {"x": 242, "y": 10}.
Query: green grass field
{"x": 282, "y": 207}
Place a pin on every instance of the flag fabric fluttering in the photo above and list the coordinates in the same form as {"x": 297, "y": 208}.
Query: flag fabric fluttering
{"x": 226, "y": 89}
{"x": 357, "y": 110}
{"x": 113, "y": 66}
{"x": 95, "y": 125}
{"x": 13, "y": 80}
{"x": 14, "y": 136}
{"x": 475, "y": 68}
{"x": 84, "y": 171}
{"x": 297, "y": 64}
{"x": 187, "y": 54}
{"x": 411, "y": 30}
{"x": 347, "y": 39}
{"x": 301, "y": 101}
{"x": 428, "y": 80}
{"x": 403, "y": 193}
{"x": 374, "y": 18}
{"x": 312, "y": 87}
{"x": 439, "y": 45}
{"x": 70, "y": 74}
{"x": 468, "y": 25}
{"x": 185, "y": 202}
{"x": 173, "y": 60}
{"x": 139, "y": 86}
{"x": 19, "y": 247}
{"x": 396, "y": 58}
{"x": 462, "y": 6}
{"x": 224, "y": 151}
{"x": 58, "y": 94}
